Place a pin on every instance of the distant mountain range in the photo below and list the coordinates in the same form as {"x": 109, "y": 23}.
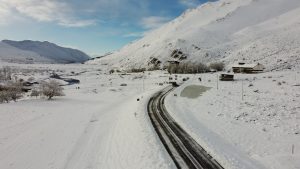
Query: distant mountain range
{"x": 28, "y": 51}
{"x": 264, "y": 31}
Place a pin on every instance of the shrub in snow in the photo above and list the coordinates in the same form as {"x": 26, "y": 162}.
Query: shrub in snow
{"x": 111, "y": 71}
{"x": 10, "y": 91}
{"x": 51, "y": 89}
{"x": 3, "y": 97}
{"x": 95, "y": 91}
{"x": 35, "y": 93}
{"x": 5, "y": 73}
{"x": 153, "y": 68}
{"x": 15, "y": 90}
{"x": 219, "y": 66}
{"x": 137, "y": 70}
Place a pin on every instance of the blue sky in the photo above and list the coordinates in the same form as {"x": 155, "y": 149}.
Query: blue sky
{"x": 94, "y": 26}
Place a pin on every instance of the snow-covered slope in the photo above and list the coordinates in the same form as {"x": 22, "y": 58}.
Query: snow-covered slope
{"x": 11, "y": 54}
{"x": 265, "y": 31}
{"x": 35, "y": 51}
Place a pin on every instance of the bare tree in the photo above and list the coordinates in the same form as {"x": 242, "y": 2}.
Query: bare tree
{"x": 51, "y": 89}
{"x": 15, "y": 90}
{"x": 10, "y": 91}
{"x": 35, "y": 93}
{"x": 5, "y": 73}
{"x": 4, "y": 97}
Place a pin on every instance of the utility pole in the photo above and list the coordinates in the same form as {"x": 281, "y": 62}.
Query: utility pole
{"x": 143, "y": 82}
{"x": 242, "y": 90}
{"x": 217, "y": 82}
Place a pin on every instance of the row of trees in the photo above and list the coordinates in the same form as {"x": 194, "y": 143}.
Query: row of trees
{"x": 189, "y": 68}
{"x": 12, "y": 91}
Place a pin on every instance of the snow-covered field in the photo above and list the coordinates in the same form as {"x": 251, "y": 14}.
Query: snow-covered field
{"x": 257, "y": 130}
{"x": 100, "y": 125}
{"x": 250, "y": 123}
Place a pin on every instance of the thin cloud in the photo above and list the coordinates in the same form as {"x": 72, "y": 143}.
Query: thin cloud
{"x": 44, "y": 11}
{"x": 77, "y": 23}
{"x": 5, "y": 13}
{"x": 189, "y": 3}
{"x": 153, "y": 22}
{"x": 134, "y": 35}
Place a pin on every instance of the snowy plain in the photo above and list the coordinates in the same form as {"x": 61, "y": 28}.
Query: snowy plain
{"x": 100, "y": 125}
{"x": 252, "y": 122}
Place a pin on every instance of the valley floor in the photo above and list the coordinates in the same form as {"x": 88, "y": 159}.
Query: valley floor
{"x": 258, "y": 130}
{"x": 102, "y": 125}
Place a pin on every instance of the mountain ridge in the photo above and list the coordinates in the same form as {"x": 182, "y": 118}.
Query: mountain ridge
{"x": 39, "y": 52}
{"x": 216, "y": 31}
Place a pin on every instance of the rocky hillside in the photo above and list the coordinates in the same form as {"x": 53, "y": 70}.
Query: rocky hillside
{"x": 264, "y": 31}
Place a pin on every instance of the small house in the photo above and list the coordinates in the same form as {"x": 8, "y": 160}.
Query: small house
{"x": 226, "y": 77}
{"x": 247, "y": 68}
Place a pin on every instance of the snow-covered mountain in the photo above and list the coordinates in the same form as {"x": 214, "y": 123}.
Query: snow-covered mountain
{"x": 265, "y": 31}
{"x": 39, "y": 52}
{"x": 9, "y": 53}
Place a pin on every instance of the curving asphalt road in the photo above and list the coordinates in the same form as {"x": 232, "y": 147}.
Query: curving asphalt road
{"x": 184, "y": 150}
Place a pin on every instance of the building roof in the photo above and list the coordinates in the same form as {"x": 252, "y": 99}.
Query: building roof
{"x": 245, "y": 65}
